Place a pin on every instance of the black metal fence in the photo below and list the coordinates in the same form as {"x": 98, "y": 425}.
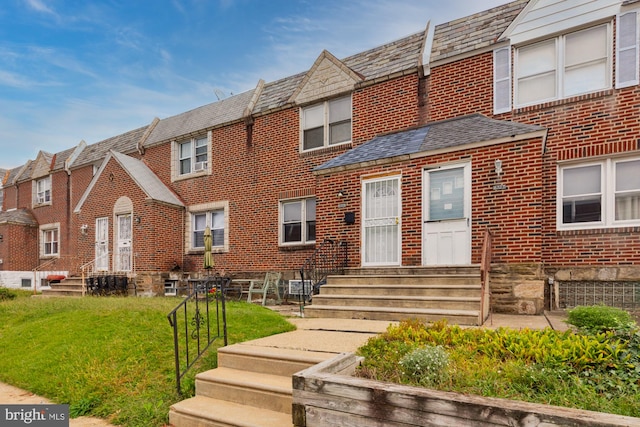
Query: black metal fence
{"x": 197, "y": 322}
{"x": 328, "y": 258}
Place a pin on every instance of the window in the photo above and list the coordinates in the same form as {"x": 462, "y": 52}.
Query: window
{"x": 1, "y": 198}
{"x": 565, "y": 66}
{"x": 627, "y": 54}
{"x": 298, "y": 221}
{"x": 502, "y": 80}
{"x": 25, "y": 283}
{"x": 50, "y": 242}
{"x": 213, "y": 215}
{"x": 326, "y": 124}
{"x": 43, "y": 191}
{"x": 601, "y": 194}
{"x": 193, "y": 155}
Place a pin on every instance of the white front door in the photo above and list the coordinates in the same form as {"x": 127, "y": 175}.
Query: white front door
{"x": 446, "y": 234}
{"x": 102, "y": 244}
{"x": 381, "y": 221}
{"x": 123, "y": 244}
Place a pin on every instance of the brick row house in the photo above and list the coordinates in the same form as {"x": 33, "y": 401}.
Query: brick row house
{"x": 521, "y": 121}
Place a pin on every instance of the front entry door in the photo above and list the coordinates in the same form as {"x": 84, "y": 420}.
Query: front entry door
{"x": 381, "y": 221}
{"x": 446, "y": 236}
{"x": 123, "y": 245}
{"x": 102, "y": 244}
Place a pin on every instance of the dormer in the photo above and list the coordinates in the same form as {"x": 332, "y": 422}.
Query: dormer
{"x": 41, "y": 179}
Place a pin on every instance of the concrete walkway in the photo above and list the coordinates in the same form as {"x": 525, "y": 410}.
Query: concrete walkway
{"x": 322, "y": 335}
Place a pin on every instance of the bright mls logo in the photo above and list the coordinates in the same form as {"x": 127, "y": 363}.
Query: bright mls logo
{"x": 34, "y": 415}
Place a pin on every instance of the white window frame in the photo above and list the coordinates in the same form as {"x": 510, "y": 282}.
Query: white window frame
{"x": 305, "y": 218}
{"x": 42, "y": 191}
{"x": 207, "y": 210}
{"x": 197, "y": 165}
{"x": 607, "y": 195}
{"x": 1, "y": 199}
{"x": 326, "y": 124}
{"x": 627, "y": 47}
{"x": 561, "y": 68}
{"x": 50, "y": 236}
{"x": 502, "y": 80}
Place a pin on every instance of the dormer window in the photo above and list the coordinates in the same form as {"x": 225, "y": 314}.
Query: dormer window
{"x": 326, "y": 124}
{"x": 43, "y": 191}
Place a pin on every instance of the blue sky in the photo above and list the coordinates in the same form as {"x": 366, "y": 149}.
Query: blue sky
{"x": 88, "y": 70}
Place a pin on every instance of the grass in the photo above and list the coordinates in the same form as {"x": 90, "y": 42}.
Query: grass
{"x": 109, "y": 357}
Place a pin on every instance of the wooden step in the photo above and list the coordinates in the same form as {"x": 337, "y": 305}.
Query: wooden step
{"x": 276, "y": 361}
{"x": 399, "y": 301}
{"x": 201, "y": 411}
{"x": 255, "y": 389}
{"x": 457, "y": 317}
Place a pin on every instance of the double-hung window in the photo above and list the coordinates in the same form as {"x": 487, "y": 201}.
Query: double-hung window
{"x": 50, "y": 242}
{"x": 298, "y": 221}
{"x": 565, "y": 66}
{"x": 215, "y": 220}
{"x": 599, "y": 194}
{"x": 43, "y": 191}
{"x": 193, "y": 155}
{"x": 326, "y": 124}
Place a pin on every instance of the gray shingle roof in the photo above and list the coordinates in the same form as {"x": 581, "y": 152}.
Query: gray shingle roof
{"x": 445, "y": 134}
{"x": 123, "y": 143}
{"x": 18, "y": 216}
{"x": 201, "y": 118}
{"x": 473, "y": 32}
{"x": 147, "y": 180}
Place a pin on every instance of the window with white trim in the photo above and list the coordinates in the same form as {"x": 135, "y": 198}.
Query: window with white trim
{"x": 193, "y": 155}
{"x": 627, "y": 45}
{"x": 326, "y": 124}
{"x": 502, "y": 80}
{"x": 50, "y": 243}
{"x": 599, "y": 194}
{"x": 1, "y": 198}
{"x": 213, "y": 215}
{"x": 298, "y": 221}
{"x": 43, "y": 191}
{"x": 569, "y": 65}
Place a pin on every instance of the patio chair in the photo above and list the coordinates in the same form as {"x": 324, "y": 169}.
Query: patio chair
{"x": 271, "y": 282}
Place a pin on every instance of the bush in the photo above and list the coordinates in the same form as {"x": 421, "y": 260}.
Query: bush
{"x": 7, "y": 294}
{"x": 600, "y": 318}
{"x": 425, "y": 366}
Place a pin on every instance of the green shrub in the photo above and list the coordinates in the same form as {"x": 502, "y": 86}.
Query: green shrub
{"x": 7, "y": 294}
{"x": 600, "y": 318}
{"x": 425, "y": 366}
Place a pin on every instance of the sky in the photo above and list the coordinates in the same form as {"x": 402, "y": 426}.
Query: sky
{"x": 73, "y": 70}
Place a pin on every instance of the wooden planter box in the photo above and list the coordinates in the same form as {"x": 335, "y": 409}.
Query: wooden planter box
{"x": 328, "y": 395}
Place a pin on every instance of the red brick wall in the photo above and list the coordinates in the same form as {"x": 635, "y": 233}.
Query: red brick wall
{"x": 16, "y": 248}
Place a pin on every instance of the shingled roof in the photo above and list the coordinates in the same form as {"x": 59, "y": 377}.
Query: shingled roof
{"x": 443, "y": 135}
{"x": 473, "y": 32}
{"x": 18, "y": 216}
{"x": 123, "y": 143}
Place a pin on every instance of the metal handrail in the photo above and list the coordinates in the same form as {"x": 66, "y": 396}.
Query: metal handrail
{"x": 485, "y": 268}
{"x": 328, "y": 258}
{"x": 193, "y": 319}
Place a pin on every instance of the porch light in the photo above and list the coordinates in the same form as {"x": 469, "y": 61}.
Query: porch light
{"x": 498, "y": 165}
{"x": 342, "y": 193}
{"x": 84, "y": 228}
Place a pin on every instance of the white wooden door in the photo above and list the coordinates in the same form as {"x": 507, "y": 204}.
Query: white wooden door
{"x": 123, "y": 244}
{"x": 102, "y": 244}
{"x": 381, "y": 221}
{"x": 446, "y": 235}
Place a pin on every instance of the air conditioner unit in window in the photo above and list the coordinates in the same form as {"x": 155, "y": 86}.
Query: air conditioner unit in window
{"x": 200, "y": 166}
{"x": 295, "y": 287}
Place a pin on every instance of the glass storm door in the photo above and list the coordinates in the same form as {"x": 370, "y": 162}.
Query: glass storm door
{"x": 102, "y": 244}
{"x": 446, "y": 235}
{"x": 381, "y": 222}
{"x": 123, "y": 245}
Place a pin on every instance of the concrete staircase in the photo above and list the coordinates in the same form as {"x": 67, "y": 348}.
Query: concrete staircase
{"x": 69, "y": 287}
{"x": 394, "y": 294}
{"x": 252, "y": 385}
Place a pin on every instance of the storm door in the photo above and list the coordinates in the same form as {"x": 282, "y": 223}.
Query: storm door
{"x": 381, "y": 221}
{"x": 123, "y": 243}
{"x": 102, "y": 244}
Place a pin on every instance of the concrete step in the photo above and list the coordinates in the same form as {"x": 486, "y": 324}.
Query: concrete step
{"x": 395, "y": 289}
{"x": 254, "y": 389}
{"x": 400, "y": 301}
{"x": 201, "y": 411}
{"x": 276, "y": 361}
{"x": 62, "y": 292}
{"x": 399, "y": 271}
{"x": 411, "y": 279}
{"x": 456, "y": 317}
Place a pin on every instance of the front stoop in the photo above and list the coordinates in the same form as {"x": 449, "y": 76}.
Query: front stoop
{"x": 69, "y": 287}
{"x": 429, "y": 294}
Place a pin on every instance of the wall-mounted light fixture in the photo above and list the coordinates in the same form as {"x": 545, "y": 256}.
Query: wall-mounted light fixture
{"x": 1, "y": 237}
{"x": 137, "y": 219}
{"x": 83, "y": 229}
{"x": 342, "y": 193}
{"x": 498, "y": 165}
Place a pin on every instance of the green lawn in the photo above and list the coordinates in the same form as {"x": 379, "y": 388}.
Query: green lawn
{"x": 109, "y": 357}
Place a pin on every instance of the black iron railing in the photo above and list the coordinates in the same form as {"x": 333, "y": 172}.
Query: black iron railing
{"x": 328, "y": 258}
{"x": 197, "y": 322}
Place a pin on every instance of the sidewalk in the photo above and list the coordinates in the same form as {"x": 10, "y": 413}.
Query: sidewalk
{"x": 325, "y": 335}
